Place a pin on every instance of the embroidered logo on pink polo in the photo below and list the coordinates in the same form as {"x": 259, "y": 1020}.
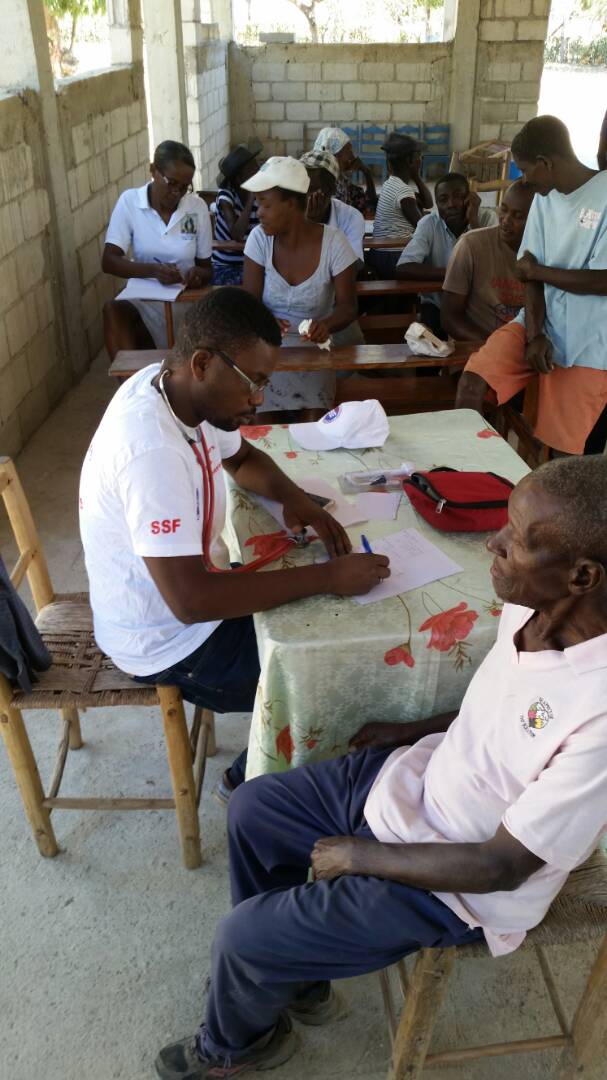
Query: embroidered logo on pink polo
{"x": 539, "y": 714}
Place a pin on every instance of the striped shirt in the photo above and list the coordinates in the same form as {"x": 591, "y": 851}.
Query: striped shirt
{"x": 389, "y": 218}
{"x": 227, "y": 196}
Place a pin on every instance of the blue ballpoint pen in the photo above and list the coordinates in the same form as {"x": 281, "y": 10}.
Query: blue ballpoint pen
{"x": 366, "y": 545}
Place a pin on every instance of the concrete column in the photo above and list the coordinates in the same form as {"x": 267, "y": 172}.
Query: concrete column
{"x": 126, "y": 31}
{"x": 165, "y": 71}
{"x": 463, "y": 71}
{"x": 61, "y": 218}
{"x": 18, "y": 57}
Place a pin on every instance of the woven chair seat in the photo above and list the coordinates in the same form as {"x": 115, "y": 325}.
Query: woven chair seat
{"x": 578, "y": 913}
{"x": 80, "y": 675}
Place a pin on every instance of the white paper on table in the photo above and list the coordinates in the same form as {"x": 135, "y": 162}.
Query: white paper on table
{"x": 414, "y": 561}
{"x": 378, "y": 505}
{"x": 347, "y": 513}
{"x": 149, "y": 289}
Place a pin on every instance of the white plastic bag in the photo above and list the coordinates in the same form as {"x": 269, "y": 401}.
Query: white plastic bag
{"x": 422, "y": 342}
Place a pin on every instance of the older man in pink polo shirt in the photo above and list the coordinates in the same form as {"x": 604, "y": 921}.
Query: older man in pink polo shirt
{"x": 434, "y": 833}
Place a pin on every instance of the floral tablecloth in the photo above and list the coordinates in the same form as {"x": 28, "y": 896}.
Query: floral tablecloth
{"x": 328, "y": 665}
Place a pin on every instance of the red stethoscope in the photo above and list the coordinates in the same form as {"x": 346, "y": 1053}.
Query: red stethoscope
{"x": 208, "y": 503}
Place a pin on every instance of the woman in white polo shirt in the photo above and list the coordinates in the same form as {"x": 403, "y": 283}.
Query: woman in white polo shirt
{"x": 167, "y": 229}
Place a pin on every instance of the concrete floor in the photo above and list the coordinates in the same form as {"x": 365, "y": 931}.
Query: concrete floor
{"x": 105, "y": 949}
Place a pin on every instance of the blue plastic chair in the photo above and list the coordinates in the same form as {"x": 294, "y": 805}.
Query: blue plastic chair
{"x": 371, "y": 139}
{"x": 437, "y": 138}
{"x": 414, "y": 131}
{"x": 354, "y": 133}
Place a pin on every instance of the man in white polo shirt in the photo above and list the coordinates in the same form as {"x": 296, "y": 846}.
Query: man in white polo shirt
{"x": 161, "y": 611}
{"x": 437, "y": 832}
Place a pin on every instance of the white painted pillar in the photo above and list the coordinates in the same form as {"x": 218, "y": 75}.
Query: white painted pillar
{"x": 62, "y": 220}
{"x": 165, "y": 71}
{"x": 463, "y": 69}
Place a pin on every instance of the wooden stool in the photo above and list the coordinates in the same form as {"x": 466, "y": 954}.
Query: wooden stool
{"x": 82, "y": 676}
{"x": 579, "y": 913}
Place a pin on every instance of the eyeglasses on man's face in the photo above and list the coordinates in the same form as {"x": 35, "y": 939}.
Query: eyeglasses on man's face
{"x": 174, "y": 186}
{"x": 254, "y": 387}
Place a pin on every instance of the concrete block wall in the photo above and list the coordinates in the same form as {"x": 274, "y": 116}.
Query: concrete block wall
{"x": 284, "y": 94}
{"x": 509, "y": 66}
{"x": 206, "y": 73}
{"x": 105, "y": 142}
{"x": 33, "y": 370}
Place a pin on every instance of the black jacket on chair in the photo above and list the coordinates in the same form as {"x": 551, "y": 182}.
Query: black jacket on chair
{"x": 22, "y": 650}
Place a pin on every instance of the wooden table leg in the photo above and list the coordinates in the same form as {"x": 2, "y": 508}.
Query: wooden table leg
{"x": 426, "y": 991}
{"x": 182, "y": 776}
{"x": 22, "y": 759}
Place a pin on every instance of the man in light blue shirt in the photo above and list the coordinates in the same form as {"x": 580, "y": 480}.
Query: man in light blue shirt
{"x": 426, "y": 255}
{"x": 562, "y": 332}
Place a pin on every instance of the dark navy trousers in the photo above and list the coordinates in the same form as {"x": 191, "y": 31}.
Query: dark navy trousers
{"x": 221, "y": 674}
{"x": 285, "y": 933}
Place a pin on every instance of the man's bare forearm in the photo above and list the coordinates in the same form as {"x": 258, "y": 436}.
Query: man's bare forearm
{"x": 581, "y": 282}
{"x": 420, "y": 272}
{"x": 535, "y": 309}
{"x": 436, "y": 867}
{"x": 260, "y": 473}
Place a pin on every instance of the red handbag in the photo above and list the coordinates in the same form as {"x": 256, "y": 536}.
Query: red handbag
{"x": 454, "y": 501}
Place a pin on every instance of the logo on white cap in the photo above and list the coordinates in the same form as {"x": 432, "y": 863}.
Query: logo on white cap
{"x": 329, "y": 417}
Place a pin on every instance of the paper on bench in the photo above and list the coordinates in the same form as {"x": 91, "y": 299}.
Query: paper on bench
{"x": 149, "y": 289}
{"x": 414, "y": 562}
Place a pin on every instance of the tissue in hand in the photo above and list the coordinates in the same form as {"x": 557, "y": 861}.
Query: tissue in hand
{"x": 303, "y": 328}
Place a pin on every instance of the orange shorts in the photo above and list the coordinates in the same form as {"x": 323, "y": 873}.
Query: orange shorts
{"x": 570, "y": 400}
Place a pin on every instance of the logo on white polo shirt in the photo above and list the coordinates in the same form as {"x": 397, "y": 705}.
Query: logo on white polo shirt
{"x": 539, "y": 714}
{"x": 189, "y": 225}
{"x": 167, "y": 525}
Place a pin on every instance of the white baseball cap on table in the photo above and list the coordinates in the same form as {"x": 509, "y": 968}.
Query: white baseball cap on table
{"x": 282, "y": 172}
{"x": 354, "y": 425}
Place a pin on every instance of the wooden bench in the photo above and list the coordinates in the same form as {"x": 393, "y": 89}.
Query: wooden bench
{"x": 306, "y": 358}
{"x": 391, "y": 287}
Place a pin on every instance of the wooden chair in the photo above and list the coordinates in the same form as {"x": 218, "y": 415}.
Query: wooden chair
{"x": 487, "y": 164}
{"x": 579, "y": 914}
{"x": 82, "y": 677}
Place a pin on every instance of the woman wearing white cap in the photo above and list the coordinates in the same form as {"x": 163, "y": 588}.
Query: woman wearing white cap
{"x": 338, "y": 142}
{"x": 301, "y": 270}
